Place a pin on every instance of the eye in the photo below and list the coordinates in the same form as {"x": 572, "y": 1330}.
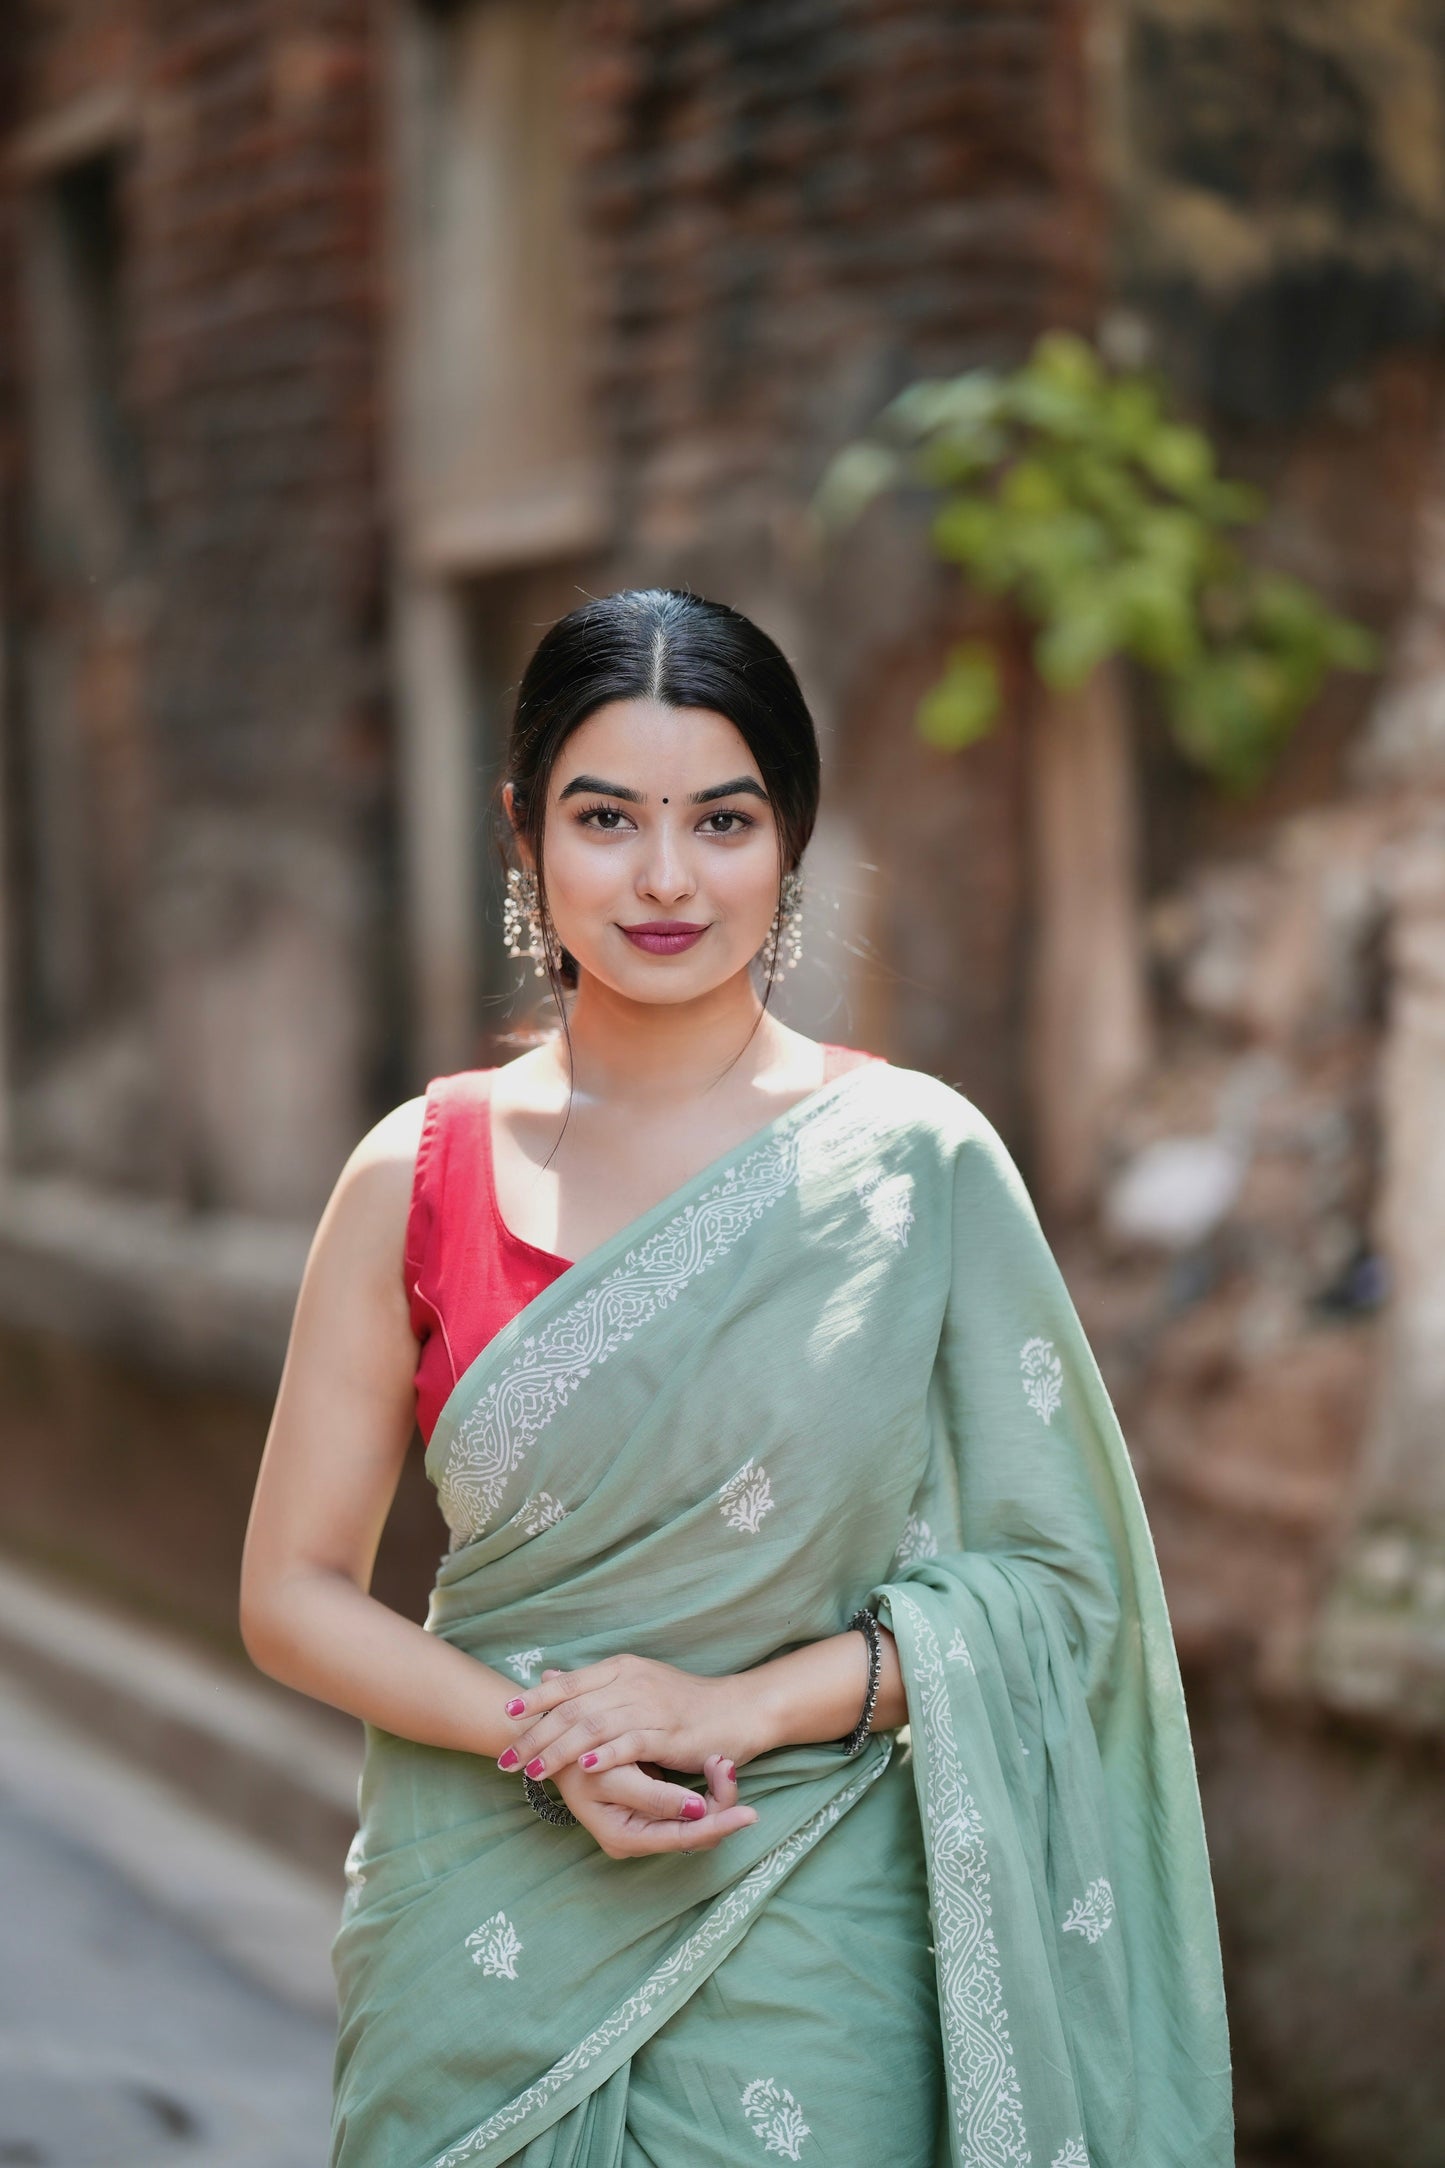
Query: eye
{"x": 740, "y": 822}
{"x": 605, "y": 818}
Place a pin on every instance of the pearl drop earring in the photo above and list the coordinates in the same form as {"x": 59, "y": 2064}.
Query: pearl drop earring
{"x": 783, "y": 942}
{"x": 522, "y": 927}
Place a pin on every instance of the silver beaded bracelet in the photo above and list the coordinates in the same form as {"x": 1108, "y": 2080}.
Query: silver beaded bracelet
{"x": 867, "y": 1625}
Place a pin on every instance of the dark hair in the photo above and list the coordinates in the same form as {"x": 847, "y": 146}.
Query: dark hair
{"x": 666, "y": 644}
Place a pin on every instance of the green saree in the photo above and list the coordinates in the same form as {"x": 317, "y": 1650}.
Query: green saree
{"x": 840, "y": 1365}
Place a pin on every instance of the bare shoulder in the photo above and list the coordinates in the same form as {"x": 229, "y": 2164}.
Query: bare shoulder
{"x": 392, "y": 1142}
{"x": 366, "y": 1215}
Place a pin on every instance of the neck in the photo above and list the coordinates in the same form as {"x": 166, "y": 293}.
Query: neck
{"x": 637, "y": 1051}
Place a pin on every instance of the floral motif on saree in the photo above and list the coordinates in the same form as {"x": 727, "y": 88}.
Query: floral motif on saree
{"x": 1092, "y": 1914}
{"x": 775, "y": 2117}
{"x": 793, "y": 1387}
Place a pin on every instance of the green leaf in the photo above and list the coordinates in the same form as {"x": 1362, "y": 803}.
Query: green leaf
{"x": 1057, "y": 412}
{"x": 1180, "y": 458}
{"x": 962, "y": 706}
{"x": 966, "y": 529}
{"x": 1053, "y": 554}
{"x": 1078, "y": 639}
{"x": 1354, "y": 647}
{"x": 1097, "y": 479}
{"x": 958, "y": 460}
{"x": 1173, "y": 538}
{"x": 1230, "y": 504}
{"x": 1065, "y": 359}
{"x": 1131, "y": 413}
{"x": 960, "y": 405}
{"x": 1156, "y": 614}
{"x": 850, "y": 481}
{"x": 1030, "y": 487}
{"x": 1075, "y": 492}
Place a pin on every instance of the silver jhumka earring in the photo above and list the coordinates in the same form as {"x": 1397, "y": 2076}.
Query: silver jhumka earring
{"x": 522, "y": 927}
{"x": 783, "y": 942}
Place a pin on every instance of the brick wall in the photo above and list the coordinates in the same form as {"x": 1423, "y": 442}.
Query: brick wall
{"x": 795, "y": 210}
{"x": 250, "y": 365}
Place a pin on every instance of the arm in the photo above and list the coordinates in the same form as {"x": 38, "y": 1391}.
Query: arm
{"x": 333, "y": 1456}
{"x": 631, "y": 1708}
{"x": 338, "y": 1437}
{"x": 816, "y": 1693}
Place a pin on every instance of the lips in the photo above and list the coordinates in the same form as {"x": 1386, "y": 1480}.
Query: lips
{"x": 664, "y": 936}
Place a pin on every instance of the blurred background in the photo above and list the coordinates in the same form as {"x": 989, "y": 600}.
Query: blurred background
{"x": 343, "y": 345}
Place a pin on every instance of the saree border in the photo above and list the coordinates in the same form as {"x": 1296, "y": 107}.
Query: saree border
{"x": 685, "y": 1967}
{"x": 472, "y": 1455}
{"x": 983, "y": 2079}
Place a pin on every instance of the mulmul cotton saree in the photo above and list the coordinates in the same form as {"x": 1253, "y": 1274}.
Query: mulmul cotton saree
{"x": 840, "y": 1365}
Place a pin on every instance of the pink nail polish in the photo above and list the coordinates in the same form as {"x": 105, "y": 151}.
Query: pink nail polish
{"x": 589, "y": 1761}
{"x": 507, "y": 1760}
{"x": 732, "y": 1772}
{"x": 693, "y": 1810}
{"x": 534, "y": 1766}
{"x": 516, "y": 1708}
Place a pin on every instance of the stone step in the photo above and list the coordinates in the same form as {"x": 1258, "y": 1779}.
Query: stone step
{"x": 271, "y": 1762}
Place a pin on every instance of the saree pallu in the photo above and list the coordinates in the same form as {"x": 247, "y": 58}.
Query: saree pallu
{"x": 838, "y": 1366}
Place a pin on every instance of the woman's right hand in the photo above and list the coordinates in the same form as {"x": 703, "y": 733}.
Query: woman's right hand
{"x": 633, "y": 1812}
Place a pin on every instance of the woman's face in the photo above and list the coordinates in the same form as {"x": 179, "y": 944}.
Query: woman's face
{"x": 657, "y": 818}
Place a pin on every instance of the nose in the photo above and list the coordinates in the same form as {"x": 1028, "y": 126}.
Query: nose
{"x": 666, "y": 875}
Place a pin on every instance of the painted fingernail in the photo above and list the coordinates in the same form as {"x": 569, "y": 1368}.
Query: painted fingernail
{"x": 732, "y": 1772}
{"x": 534, "y": 1766}
{"x": 507, "y": 1760}
{"x": 692, "y": 1809}
{"x": 589, "y": 1761}
{"x": 516, "y": 1708}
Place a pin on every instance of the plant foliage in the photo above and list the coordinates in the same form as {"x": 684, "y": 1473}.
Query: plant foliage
{"x": 1072, "y": 492}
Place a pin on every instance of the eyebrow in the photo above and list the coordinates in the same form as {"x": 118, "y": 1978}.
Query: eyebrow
{"x": 738, "y": 785}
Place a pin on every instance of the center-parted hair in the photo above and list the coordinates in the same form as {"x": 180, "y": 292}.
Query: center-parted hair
{"x": 670, "y": 645}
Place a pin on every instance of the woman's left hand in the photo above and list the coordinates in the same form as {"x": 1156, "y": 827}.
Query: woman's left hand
{"x": 628, "y": 1709}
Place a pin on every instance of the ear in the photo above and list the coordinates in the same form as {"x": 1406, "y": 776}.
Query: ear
{"x": 509, "y": 807}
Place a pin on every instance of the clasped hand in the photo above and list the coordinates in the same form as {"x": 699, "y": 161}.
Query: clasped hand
{"x": 606, "y": 1732}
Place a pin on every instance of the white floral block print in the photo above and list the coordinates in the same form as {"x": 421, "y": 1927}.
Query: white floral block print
{"x": 958, "y": 1650}
{"x": 1093, "y": 1913}
{"x": 522, "y": 1663}
{"x": 916, "y": 1541}
{"x": 776, "y": 2118}
{"x": 540, "y": 1511}
{"x": 1043, "y": 1377}
{"x": 354, "y": 1871}
{"x": 885, "y": 1199}
{"x": 746, "y": 1497}
{"x": 541, "y": 1376}
{"x": 1071, "y": 2154}
{"x": 495, "y": 1947}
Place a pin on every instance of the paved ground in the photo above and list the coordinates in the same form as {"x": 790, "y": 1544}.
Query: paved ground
{"x": 166, "y": 1996}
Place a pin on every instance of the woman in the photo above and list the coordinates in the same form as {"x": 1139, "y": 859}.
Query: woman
{"x": 764, "y": 1426}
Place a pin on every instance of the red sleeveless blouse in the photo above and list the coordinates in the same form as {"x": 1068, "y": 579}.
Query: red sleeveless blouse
{"x": 466, "y": 1273}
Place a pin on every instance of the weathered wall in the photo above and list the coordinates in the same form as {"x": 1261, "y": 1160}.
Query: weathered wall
{"x": 787, "y": 213}
{"x": 232, "y": 1058}
{"x": 795, "y": 210}
{"x": 140, "y": 1485}
{"x": 1278, "y": 176}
